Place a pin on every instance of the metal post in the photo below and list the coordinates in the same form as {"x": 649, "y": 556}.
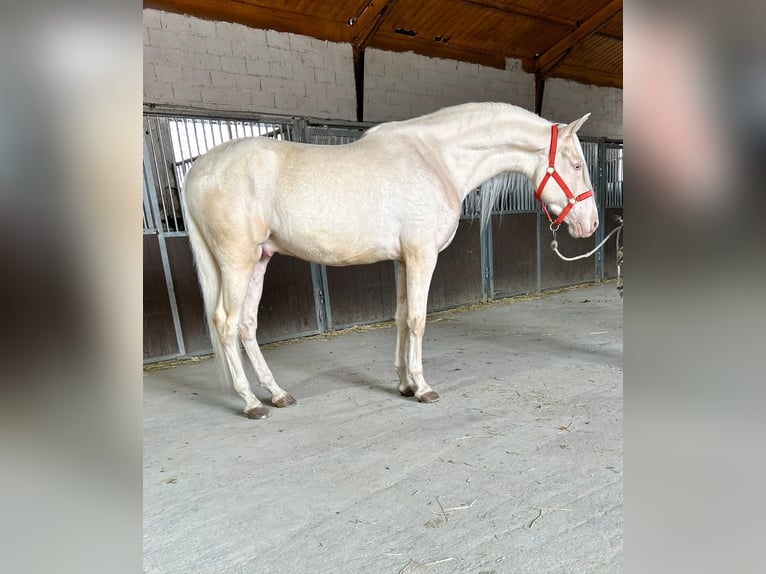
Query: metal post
{"x": 320, "y": 297}
{"x": 487, "y": 261}
{"x": 601, "y": 201}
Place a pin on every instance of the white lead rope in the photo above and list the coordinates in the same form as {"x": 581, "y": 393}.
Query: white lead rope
{"x": 555, "y": 246}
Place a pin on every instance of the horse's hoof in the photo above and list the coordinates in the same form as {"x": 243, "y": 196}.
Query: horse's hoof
{"x": 284, "y": 401}
{"x": 257, "y": 413}
{"x": 406, "y": 391}
{"x": 429, "y": 397}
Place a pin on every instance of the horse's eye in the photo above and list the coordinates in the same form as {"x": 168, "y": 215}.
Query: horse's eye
{"x": 578, "y": 166}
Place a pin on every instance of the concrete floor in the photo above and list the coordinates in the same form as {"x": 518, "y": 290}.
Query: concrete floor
{"x": 357, "y": 479}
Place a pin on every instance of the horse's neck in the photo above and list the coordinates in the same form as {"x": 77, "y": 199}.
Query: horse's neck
{"x": 488, "y": 141}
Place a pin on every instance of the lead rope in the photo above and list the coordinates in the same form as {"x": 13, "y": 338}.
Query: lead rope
{"x": 555, "y": 244}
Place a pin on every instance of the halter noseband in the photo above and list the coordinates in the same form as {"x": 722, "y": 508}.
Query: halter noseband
{"x": 551, "y": 171}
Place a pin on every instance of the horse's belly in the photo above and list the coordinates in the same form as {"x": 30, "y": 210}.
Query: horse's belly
{"x": 338, "y": 248}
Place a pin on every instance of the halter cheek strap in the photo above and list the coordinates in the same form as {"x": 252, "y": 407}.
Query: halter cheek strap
{"x": 551, "y": 172}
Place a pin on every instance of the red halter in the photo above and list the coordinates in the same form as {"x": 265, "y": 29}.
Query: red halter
{"x": 551, "y": 171}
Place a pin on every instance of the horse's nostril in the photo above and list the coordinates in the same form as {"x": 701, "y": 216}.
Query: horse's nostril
{"x": 595, "y": 225}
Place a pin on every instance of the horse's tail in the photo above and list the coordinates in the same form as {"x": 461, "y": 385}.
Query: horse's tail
{"x": 209, "y": 275}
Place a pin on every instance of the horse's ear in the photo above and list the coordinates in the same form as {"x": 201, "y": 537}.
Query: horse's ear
{"x": 572, "y": 128}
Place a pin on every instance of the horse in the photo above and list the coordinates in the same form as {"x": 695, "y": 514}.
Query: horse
{"x": 394, "y": 194}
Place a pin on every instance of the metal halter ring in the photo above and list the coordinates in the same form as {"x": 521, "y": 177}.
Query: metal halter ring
{"x": 554, "y": 226}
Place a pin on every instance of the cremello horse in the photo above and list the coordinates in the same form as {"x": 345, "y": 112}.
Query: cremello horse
{"x": 395, "y": 194}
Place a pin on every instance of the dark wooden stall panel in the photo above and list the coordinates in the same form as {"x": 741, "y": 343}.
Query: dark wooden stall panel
{"x": 159, "y": 334}
{"x": 514, "y": 252}
{"x": 362, "y": 293}
{"x": 558, "y": 273}
{"x": 457, "y": 278}
{"x": 287, "y": 306}
{"x": 610, "y": 249}
{"x": 191, "y": 312}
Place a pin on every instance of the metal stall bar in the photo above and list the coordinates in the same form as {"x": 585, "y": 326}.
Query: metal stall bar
{"x": 614, "y": 173}
{"x": 149, "y": 225}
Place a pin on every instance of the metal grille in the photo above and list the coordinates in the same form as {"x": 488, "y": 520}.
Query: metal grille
{"x": 517, "y": 197}
{"x": 613, "y": 175}
{"x": 515, "y": 194}
{"x": 590, "y": 151}
{"x": 326, "y": 135}
{"x": 174, "y": 143}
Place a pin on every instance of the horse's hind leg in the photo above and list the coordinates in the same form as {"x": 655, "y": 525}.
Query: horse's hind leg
{"x": 248, "y": 327}
{"x": 235, "y": 278}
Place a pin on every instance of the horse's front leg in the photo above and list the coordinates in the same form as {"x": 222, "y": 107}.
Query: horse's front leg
{"x": 420, "y": 268}
{"x": 402, "y": 331}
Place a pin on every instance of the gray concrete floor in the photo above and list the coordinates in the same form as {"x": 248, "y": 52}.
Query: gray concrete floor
{"x": 356, "y": 478}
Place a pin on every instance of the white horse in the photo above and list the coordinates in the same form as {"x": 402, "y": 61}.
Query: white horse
{"x": 395, "y": 194}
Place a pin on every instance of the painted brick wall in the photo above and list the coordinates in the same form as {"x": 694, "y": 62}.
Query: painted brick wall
{"x": 402, "y": 85}
{"x": 222, "y": 66}
{"x": 565, "y": 101}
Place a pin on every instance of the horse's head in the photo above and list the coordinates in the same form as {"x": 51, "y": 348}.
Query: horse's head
{"x": 566, "y": 191}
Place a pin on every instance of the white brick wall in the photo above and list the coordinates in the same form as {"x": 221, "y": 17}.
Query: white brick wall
{"x": 223, "y": 66}
{"x": 565, "y": 101}
{"x": 403, "y": 85}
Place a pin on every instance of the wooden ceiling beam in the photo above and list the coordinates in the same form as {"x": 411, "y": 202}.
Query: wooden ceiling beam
{"x": 362, "y": 38}
{"x": 359, "y": 43}
{"x": 547, "y": 62}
